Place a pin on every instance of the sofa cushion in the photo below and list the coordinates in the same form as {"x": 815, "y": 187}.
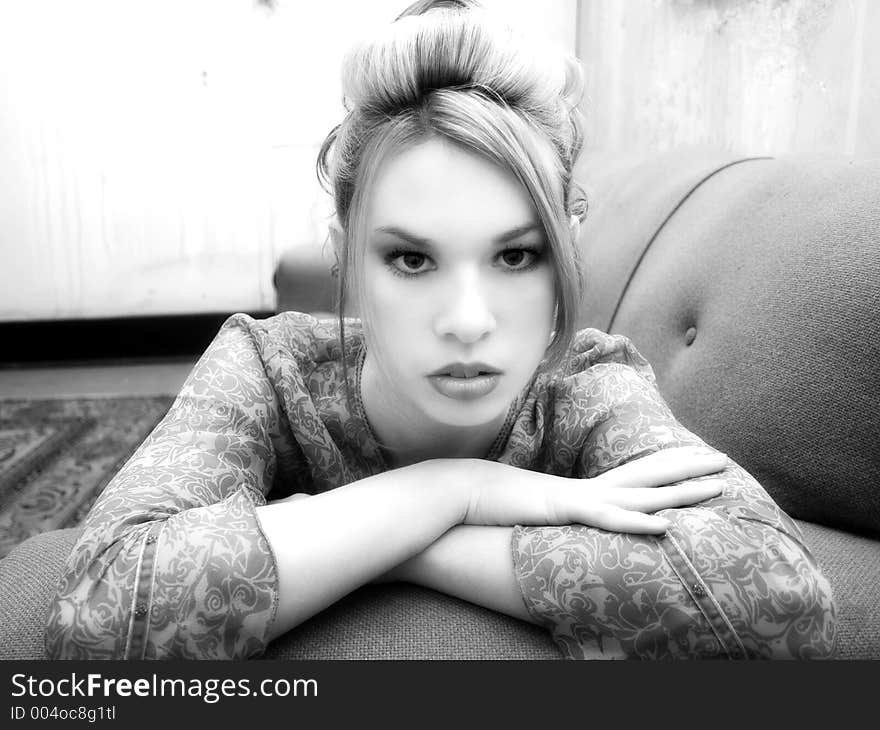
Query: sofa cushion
{"x": 758, "y": 304}
{"x": 406, "y": 622}
{"x": 376, "y": 622}
{"x": 409, "y": 622}
{"x": 852, "y": 565}
{"x": 28, "y": 577}
{"x": 630, "y": 197}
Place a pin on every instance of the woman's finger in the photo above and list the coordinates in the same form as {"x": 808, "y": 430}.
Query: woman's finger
{"x": 614, "y": 519}
{"x": 652, "y": 499}
{"x": 664, "y": 467}
{"x": 628, "y": 510}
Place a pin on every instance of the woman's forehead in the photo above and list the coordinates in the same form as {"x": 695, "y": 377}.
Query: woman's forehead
{"x": 438, "y": 185}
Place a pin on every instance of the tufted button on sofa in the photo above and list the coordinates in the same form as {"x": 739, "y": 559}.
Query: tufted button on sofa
{"x": 752, "y": 286}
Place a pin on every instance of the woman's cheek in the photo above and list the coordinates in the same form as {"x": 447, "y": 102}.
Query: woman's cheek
{"x": 533, "y": 297}
{"x": 395, "y": 306}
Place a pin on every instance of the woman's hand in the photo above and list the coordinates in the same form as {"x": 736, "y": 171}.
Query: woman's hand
{"x": 619, "y": 500}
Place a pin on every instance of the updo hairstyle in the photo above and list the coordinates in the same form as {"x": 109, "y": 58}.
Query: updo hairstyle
{"x": 448, "y": 69}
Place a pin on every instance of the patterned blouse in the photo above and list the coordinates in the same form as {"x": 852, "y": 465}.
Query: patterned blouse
{"x": 172, "y": 561}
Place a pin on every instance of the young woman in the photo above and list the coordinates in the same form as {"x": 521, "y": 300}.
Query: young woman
{"x": 459, "y": 434}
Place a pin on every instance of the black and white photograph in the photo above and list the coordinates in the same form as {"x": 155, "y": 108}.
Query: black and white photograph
{"x": 438, "y": 330}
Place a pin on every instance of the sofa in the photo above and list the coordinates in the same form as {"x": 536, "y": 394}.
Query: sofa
{"x": 752, "y": 285}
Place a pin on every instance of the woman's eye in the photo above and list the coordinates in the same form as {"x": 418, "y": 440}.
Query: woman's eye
{"x": 518, "y": 258}
{"x": 408, "y": 262}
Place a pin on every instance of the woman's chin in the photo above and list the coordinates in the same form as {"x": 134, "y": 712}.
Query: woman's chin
{"x": 470, "y": 414}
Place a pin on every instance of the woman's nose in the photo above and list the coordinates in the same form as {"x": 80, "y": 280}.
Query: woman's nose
{"x": 467, "y": 314}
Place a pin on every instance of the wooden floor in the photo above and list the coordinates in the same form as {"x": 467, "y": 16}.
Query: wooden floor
{"x": 68, "y": 381}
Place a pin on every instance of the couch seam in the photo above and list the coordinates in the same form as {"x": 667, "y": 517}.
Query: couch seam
{"x": 662, "y": 225}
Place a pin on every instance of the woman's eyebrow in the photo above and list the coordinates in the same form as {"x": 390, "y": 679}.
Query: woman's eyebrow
{"x": 410, "y": 238}
{"x": 515, "y": 233}
{"x": 423, "y": 242}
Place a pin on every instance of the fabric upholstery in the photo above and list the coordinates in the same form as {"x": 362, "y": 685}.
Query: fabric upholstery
{"x": 406, "y": 622}
{"x": 775, "y": 265}
{"x": 303, "y": 280}
{"x": 376, "y": 622}
{"x": 28, "y": 576}
{"x": 772, "y": 269}
{"x": 630, "y": 196}
{"x": 852, "y": 565}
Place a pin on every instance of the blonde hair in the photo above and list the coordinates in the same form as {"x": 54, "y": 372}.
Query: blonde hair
{"x": 447, "y": 69}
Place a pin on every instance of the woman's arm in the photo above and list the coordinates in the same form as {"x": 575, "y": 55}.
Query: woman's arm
{"x": 724, "y": 582}
{"x": 332, "y": 543}
{"x": 473, "y": 562}
{"x": 329, "y": 544}
{"x": 171, "y": 562}
{"x": 731, "y": 577}
{"x": 716, "y": 584}
{"x": 180, "y": 557}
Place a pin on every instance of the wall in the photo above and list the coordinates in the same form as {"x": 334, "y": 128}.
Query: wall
{"x": 752, "y": 76}
{"x": 158, "y": 157}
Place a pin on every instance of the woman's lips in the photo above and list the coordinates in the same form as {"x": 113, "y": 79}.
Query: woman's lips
{"x": 466, "y": 369}
{"x": 462, "y": 388}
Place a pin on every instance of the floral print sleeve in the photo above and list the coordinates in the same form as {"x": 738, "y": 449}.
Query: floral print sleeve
{"x": 172, "y": 562}
{"x": 732, "y": 578}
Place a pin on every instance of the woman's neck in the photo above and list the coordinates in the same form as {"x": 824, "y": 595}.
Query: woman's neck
{"x": 408, "y": 437}
{"x": 402, "y": 449}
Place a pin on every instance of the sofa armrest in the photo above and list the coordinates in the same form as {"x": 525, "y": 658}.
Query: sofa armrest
{"x": 376, "y": 622}
{"x": 408, "y": 622}
{"x": 28, "y": 577}
{"x": 303, "y": 281}
{"x": 851, "y": 563}
{"x": 402, "y": 621}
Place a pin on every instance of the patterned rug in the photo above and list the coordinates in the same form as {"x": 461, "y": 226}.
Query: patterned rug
{"x": 57, "y": 455}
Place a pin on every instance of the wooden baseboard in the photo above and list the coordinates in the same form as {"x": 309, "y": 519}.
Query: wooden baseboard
{"x": 124, "y": 339}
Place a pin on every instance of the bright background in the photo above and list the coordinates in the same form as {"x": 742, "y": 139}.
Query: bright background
{"x": 158, "y": 157}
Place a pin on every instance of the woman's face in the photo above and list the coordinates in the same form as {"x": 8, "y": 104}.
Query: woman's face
{"x": 458, "y": 284}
